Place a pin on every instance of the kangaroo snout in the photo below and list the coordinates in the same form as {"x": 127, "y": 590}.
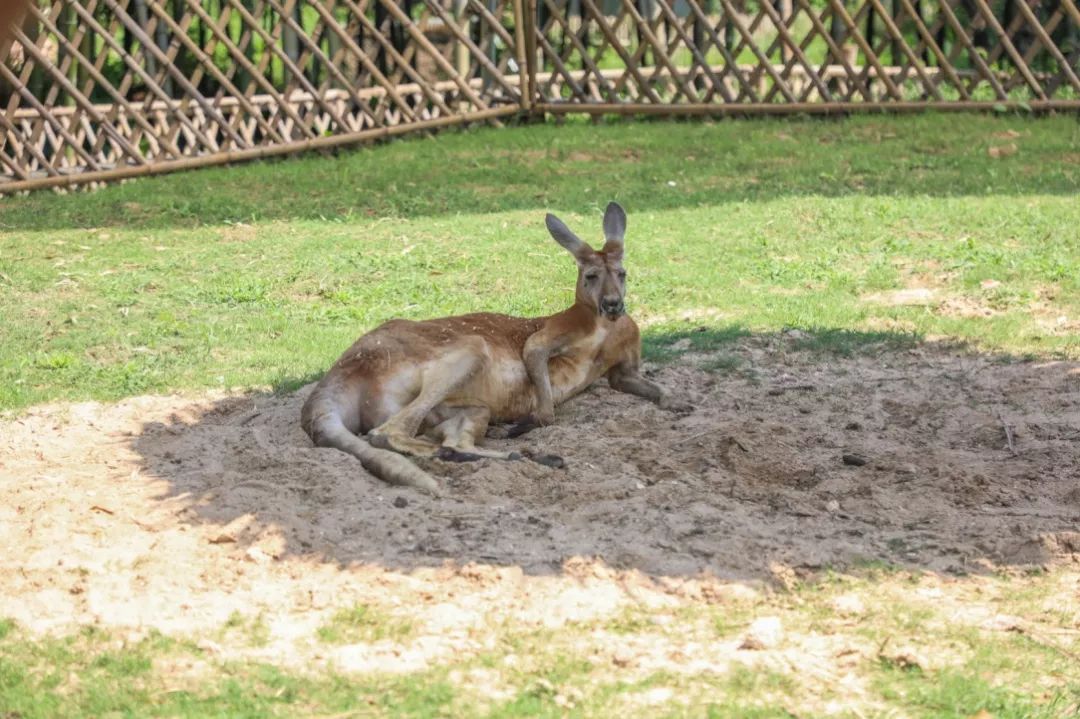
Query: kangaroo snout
{"x": 612, "y": 306}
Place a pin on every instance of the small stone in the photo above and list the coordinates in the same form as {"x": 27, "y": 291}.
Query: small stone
{"x": 854, "y": 460}
{"x": 209, "y": 646}
{"x": 764, "y": 633}
{"x": 848, "y": 605}
{"x": 659, "y": 695}
{"x": 905, "y": 658}
{"x": 832, "y": 506}
{"x": 401, "y": 502}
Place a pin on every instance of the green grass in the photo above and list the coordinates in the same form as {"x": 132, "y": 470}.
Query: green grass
{"x": 943, "y": 665}
{"x": 362, "y": 623}
{"x": 260, "y": 275}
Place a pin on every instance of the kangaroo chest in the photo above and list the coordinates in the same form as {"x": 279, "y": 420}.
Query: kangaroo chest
{"x": 579, "y": 364}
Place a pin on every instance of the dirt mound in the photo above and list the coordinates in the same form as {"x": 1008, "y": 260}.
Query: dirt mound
{"x": 173, "y": 512}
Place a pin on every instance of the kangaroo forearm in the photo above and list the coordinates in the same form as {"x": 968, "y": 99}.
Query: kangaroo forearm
{"x": 638, "y": 386}
{"x": 536, "y": 364}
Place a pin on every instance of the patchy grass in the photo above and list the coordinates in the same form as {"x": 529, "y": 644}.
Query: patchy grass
{"x": 259, "y": 276}
{"x": 868, "y": 644}
{"x": 250, "y": 631}
{"x": 867, "y": 235}
{"x": 363, "y": 623}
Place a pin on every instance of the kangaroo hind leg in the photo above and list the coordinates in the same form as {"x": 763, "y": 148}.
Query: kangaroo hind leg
{"x": 439, "y": 379}
{"x": 460, "y": 431}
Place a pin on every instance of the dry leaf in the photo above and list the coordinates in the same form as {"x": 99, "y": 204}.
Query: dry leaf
{"x": 999, "y": 151}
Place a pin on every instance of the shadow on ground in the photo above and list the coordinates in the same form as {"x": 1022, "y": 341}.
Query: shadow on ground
{"x": 806, "y": 451}
{"x": 660, "y": 165}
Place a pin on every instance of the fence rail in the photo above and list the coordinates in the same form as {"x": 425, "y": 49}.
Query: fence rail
{"x": 103, "y": 89}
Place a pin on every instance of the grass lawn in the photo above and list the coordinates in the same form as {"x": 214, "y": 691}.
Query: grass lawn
{"x": 866, "y": 231}
{"x": 261, "y": 275}
{"x": 959, "y": 670}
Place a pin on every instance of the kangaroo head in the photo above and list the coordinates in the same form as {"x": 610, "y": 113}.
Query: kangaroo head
{"x": 601, "y": 282}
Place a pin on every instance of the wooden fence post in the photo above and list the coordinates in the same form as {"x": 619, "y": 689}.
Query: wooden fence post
{"x": 530, "y": 97}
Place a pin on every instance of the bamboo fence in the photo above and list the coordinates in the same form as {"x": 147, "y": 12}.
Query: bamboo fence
{"x": 93, "y": 90}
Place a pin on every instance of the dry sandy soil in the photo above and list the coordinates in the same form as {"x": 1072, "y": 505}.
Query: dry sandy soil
{"x": 175, "y": 512}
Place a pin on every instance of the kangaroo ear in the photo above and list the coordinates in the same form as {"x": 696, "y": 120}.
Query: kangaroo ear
{"x": 614, "y": 229}
{"x": 566, "y": 238}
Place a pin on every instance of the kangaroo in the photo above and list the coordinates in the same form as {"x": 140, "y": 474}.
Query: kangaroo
{"x": 431, "y": 388}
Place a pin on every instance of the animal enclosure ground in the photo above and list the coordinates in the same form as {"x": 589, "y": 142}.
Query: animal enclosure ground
{"x": 873, "y": 510}
{"x": 208, "y": 540}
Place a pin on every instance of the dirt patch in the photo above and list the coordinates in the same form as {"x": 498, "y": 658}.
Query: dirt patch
{"x": 911, "y": 296}
{"x": 174, "y": 512}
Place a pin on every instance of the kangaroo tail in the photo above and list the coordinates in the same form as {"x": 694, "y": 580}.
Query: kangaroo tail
{"x": 327, "y": 429}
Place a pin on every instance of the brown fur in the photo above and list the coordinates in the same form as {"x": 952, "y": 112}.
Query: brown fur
{"x": 431, "y": 388}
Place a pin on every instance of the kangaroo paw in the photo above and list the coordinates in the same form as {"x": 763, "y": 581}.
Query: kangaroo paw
{"x": 448, "y": 454}
{"x": 548, "y": 460}
{"x": 526, "y": 425}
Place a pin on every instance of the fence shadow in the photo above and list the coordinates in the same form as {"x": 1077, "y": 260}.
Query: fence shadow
{"x": 576, "y": 167}
{"x": 804, "y": 450}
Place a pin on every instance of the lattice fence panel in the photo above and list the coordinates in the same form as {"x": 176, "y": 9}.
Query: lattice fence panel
{"x": 604, "y": 55}
{"x": 102, "y": 89}
{"x": 110, "y": 87}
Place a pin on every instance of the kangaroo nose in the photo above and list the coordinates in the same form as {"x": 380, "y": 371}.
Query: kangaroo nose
{"x": 611, "y": 306}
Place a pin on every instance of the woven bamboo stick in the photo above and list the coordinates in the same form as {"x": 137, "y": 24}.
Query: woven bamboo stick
{"x": 81, "y": 101}
{"x": 16, "y": 169}
{"x": 297, "y": 74}
{"x": 177, "y": 76}
{"x": 763, "y": 61}
{"x": 207, "y": 62}
{"x": 520, "y": 28}
{"x": 796, "y": 51}
{"x": 94, "y": 71}
{"x": 715, "y": 84}
{"x": 729, "y": 60}
{"x": 631, "y": 65}
{"x": 151, "y": 85}
{"x": 575, "y": 42}
{"x": 661, "y": 53}
{"x": 853, "y": 29}
{"x": 467, "y": 41}
{"x": 1021, "y": 66}
{"x": 836, "y": 52}
{"x": 76, "y": 146}
{"x": 362, "y": 56}
{"x": 424, "y": 43}
{"x": 1071, "y": 10}
{"x": 433, "y": 96}
{"x": 928, "y": 40}
{"x": 898, "y": 40}
{"x": 973, "y": 53}
{"x": 1040, "y": 32}
{"x": 568, "y": 75}
{"x": 530, "y": 49}
{"x": 313, "y": 49}
{"x": 256, "y": 153}
{"x": 256, "y": 77}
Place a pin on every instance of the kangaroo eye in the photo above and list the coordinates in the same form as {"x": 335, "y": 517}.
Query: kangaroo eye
{"x": 622, "y": 274}
{"x": 591, "y": 277}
